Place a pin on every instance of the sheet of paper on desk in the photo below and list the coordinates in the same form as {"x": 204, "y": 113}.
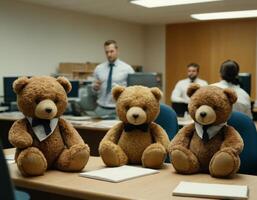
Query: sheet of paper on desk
{"x": 220, "y": 191}
{"x": 10, "y": 158}
{"x": 118, "y": 174}
{"x": 76, "y": 118}
{"x": 106, "y": 123}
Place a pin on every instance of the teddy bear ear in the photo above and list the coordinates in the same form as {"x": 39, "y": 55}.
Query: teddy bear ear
{"x": 116, "y": 91}
{"x": 192, "y": 89}
{"x": 19, "y": 84}
{"x": 231, "y": 94}
{"x": 65, "y": 83}
{"x": 156, "y": 92}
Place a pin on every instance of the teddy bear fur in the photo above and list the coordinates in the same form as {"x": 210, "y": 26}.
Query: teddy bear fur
{"x": 136, "y": 105}
{"x": 219, "y": 155}
{"x": 45, "y": 97}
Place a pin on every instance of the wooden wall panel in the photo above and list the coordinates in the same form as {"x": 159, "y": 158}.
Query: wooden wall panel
{"x": 209, "y": 44}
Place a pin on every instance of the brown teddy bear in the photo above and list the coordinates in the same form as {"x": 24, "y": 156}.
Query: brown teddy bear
{"x": 209, "y": 144}
{"x": 42, "y": 139}
{"x": 136, "y": 139}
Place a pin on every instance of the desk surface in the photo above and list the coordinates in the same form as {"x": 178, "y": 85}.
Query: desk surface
{"x": 157, "y": 186}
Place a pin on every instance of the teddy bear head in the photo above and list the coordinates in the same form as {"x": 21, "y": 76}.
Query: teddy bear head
{"x": 210, "y": 105}
{"x": 42, "y": 97}
{"x": 137, "y": 104}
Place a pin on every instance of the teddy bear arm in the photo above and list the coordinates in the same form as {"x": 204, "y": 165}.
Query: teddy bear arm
{"x": 69, "y": 133}
{"x": 114, "y": 133}
{"x": 159, "y": 135}
{"x": 233, "y": 140}
{"x": 19, "y": 136}
{"x": 182, "y": 138}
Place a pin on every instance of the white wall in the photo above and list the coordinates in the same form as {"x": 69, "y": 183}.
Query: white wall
{"x": 35, "y": 39}
{"x": 155, "y": 50}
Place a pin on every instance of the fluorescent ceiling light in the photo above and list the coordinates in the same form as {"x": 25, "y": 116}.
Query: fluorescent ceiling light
{"x": 226, "y": 15}
{"x": 161, "y": 3}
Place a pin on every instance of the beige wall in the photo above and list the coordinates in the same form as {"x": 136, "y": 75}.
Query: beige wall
{"x": 34, "y": 39}
{"x": 155, "y": 50}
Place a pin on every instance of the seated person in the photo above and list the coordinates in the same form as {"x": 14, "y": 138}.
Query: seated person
{"x": 179, "y": 94}
{"x": 229, "y": 71}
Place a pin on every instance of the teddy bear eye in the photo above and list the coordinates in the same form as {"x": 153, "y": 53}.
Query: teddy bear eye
{"x": 127, "y": 107}
{"x": 144, "y": 108}
{"x": 56, "y": 101}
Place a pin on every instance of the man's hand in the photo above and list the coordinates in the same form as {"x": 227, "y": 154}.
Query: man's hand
{"x": 97, "y": 85}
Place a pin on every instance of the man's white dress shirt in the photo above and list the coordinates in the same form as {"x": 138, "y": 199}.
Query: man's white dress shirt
{"x": 179, "y": 94}
{"x": 119, "y": 77}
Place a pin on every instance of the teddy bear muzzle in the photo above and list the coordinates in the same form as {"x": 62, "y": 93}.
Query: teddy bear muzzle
{"x": 136, "y": 116}
{"x": 205, "y": 115}
{"x": 46, "y": 109}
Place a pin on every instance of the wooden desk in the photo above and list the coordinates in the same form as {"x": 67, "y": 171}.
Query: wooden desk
{"x": 153, "y": 187}
{"x": 91, "y": 131}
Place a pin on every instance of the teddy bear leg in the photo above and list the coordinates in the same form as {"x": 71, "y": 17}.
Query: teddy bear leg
{"x": 184, "y": 161}
{"x": 154, "y": 156}
{"x": 112, "y": 154}
{"x": 73, "y": 159}
{"x": 31, "y": 162}
{"x": 224, "y": 163}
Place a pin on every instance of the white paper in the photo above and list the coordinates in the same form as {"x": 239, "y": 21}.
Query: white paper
{"x": 76, "y": 118}
{"x": 10, "y": 158}
{"x": 224, "y": 191}
{"x": 118, "y": 174}
{"x": 106, "y": 123}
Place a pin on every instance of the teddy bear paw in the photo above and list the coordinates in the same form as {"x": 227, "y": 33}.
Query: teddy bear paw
{"x": 154, "y": 156}
{"x": 184, "y": 161}
{"x": 31, "y": 162}
{"x": 74, "y": 159}
{"x": 112, "y": 154}
{"x": 222, "y": 164}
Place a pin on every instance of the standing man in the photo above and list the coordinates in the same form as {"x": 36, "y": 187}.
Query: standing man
{"x": 179, "y": 94}
{"x": 107, "y": 75}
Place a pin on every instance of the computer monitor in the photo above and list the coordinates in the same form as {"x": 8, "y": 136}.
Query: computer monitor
{"x": 74, "y": 93}
{"x": 245, "y": 82}
{"x": 142, "y": 78}
{"x": 9, "y": 94}
{"x": 180, "y": 108}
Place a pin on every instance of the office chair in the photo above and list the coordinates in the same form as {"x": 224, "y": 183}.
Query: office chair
{"x": 6, "y": 188}
{"x": 246, "y": 127}
{"x": 167, "y": 119}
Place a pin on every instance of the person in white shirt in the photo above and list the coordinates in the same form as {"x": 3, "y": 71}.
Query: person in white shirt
{"x": 107, "y": 75}
{"x": 179, "y": 94}
{"x": 229, "y": 73}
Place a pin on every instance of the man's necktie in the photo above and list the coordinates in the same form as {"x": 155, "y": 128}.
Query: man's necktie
{"x": 44, "y": 122}
{"x": 109, "y": 81}
{"x": 205, "y": 134}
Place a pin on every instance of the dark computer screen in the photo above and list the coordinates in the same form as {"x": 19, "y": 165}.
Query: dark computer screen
{"x": 141, "y": 78}
{"x": 75, "y": 88}
{"x": 245, "y": 82}
{"x": 9, "y": 95}
{"x": 180, "y": 108}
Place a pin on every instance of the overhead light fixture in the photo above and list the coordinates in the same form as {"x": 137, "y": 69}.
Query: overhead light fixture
{"x": 162, "y": 3}
{"x": 226, "y": 15}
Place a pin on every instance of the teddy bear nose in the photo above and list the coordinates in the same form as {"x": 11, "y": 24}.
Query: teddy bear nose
{"x": 203, "y": 114}
{"x": 48, "y": 110}
{"x": 135, "y": 115}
